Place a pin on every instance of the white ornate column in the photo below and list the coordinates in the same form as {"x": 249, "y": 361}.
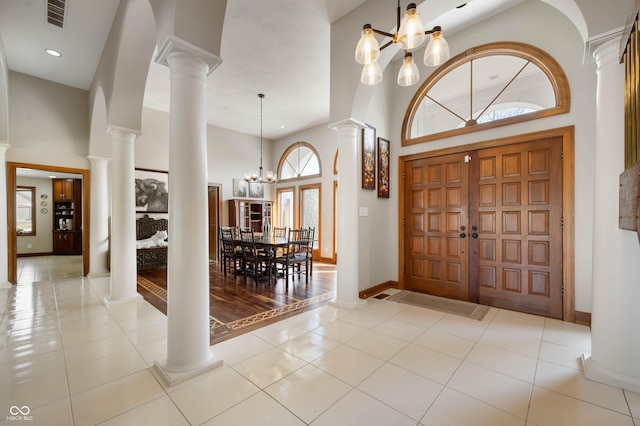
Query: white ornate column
{"x": 188, "y": 332}
{"x": 4, "y": 241}
{"x": 348, "y": 273}
{"x": 99, "y": 217}
{"x": 616, "y": 288}
{"x": 123, "y": 219}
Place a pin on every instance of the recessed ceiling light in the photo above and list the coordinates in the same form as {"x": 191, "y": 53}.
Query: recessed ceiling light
{"x": 53, "y": 52}
{"x": 282, "y": 126}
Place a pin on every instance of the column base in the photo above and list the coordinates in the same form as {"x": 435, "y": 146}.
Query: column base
{"x": 172, "y": 377}
{"x": 99, "y": 274}
{"x": 594, "y": 371}
{"x": 358, "y": 303}
{"x": 5, "y": 285}
{"x": 108, "y": 301}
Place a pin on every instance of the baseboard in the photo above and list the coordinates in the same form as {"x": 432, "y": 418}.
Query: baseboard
{"x": 582, "y": 318}
{"x": 33, "y": 254}
{"x": 329, "y": 260}
{"x": 377, "y": 289}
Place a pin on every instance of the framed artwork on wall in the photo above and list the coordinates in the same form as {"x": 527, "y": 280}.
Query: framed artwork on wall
{"x": 369, "y": 158}
{"x": 383, "y": 168}
{"x": 240, "y": 188}
{"x": 152, "y": 191}
{"x": 256, "y": 190}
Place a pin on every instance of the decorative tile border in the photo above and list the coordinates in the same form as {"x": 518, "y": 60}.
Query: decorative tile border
{"x": 218, "y": 327}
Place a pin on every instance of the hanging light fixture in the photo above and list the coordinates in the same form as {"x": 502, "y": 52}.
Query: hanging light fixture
{"x": 259, "y": 176}
{"x": 410, "y": 35}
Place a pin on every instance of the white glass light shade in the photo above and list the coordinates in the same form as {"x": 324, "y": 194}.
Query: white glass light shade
{"x": 408, "y": 74}
{"x": 367, "y": 50}
{"x": 437, "y": 51}
{"x": 411, "y": 32}
{"x": 371, "y": 74}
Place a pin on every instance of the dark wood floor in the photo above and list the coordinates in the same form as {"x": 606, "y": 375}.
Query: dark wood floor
{"x": 237, "y": 306}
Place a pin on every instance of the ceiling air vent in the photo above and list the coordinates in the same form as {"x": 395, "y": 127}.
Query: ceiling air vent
{"x": 55, "y": 12}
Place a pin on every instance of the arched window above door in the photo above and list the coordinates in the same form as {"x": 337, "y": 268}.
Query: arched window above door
{"x": 484, "y": 87}
{"x": 300, "y": 160}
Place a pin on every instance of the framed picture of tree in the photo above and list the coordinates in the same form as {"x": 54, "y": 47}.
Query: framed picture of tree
{"x": 369, "y": 158}
{"x": 383, "y": 168}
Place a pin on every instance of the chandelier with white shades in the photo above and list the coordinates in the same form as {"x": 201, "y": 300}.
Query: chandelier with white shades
{"x": 411, "y": 34}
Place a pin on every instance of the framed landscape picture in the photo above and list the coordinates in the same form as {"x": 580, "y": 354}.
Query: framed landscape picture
{"x": 383, "y": 168}
{"x": 152, "y": 191}
{"x": 369, "y": 158}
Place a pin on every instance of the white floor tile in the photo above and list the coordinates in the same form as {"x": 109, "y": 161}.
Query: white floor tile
{"x": 240, "y": 348}
{"x": 348, "y": 364}
{"x": 340, "y": 331}
{"x": 159, "y": 412}
{"x": 358, "y": 408}
{"x": 511, "y": 342}
{"x": 309, "y": 346}
{"x": 259, "y": 409}
{"x": 503, "y": 392}
{"x": 571, "y": 382}
{"x": 378, "y": 344}
{"x": 505, "y": 362}
{"x": 433, "y": 365}
{"x": 400, "y": 329}
{"x": 109, "y": 400}
{"x": 308, "y": 392}
{"x": 268, "y": 367}
{"x": 206, "y": 398}
{"x": 455, "y": 408}
{"x": 402, "y": 390}
{"x": 552, "y": 409}
{"x": 445, "y": 343}
{"x": 562, "y": 355}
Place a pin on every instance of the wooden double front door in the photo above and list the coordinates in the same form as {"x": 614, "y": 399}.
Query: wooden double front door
{"x": 486, "y": 226}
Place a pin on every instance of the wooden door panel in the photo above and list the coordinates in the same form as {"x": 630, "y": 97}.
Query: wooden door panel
{"x": 509, "y": 201}
{"x": 438, "y": 192}
{"x": 519, "y": 244}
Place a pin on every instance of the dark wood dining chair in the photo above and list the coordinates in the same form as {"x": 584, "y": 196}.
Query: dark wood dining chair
{"x": 231, "y": 251}
{"x": 294, "y": 256}
{"x": 255, "y": 262}
{"x": 280, "y": 232}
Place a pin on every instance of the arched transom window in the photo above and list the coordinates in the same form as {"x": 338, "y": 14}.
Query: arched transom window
{"x": 300, "y": 160}
{"x": 484, "y": 87}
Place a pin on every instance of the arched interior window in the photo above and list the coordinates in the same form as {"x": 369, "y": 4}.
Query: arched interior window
{"x": 300, "y": 160}
{"x": 484, "y": 87}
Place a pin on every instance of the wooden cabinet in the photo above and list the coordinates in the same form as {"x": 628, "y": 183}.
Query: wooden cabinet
{"x": 67, "y": 216}
{"x": 249, "y": 214}
{"x": 63, "y": 189}
{"x": 67, "y": 242}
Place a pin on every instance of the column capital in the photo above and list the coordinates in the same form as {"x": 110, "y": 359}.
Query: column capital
{"x": 595, "y": 43}
{"x": 4, "y": 147}
{"x": 175, "y": 44}
{"x": 97, "y": 158}
{"x": 114, "y": 130}
{"x": 346, "y": 122}
{"x": 607, "y": 52}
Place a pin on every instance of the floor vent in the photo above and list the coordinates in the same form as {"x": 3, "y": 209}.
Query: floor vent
{"x": 55, "y": 12}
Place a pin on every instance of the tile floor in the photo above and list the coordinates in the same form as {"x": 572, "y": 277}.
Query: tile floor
{"x": 69, "y": 360}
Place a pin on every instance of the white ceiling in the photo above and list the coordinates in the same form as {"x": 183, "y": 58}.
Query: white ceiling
{"x": 261, "y": 49}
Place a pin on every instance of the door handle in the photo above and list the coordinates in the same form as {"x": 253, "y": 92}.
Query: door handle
{"x": 474, "y": 235}
{"x": 462, "y": 235}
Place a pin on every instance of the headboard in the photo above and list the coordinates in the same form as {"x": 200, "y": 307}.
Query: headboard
{"x": 147, "y": 226}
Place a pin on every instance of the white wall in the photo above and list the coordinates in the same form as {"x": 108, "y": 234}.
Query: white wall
{"x": 42, "y": 242}
{"x": 48, "y": 122}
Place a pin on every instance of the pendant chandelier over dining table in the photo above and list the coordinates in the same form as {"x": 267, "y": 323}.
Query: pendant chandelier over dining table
{"x": 259, "y": 175}
{"x": 410, "y": 35}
